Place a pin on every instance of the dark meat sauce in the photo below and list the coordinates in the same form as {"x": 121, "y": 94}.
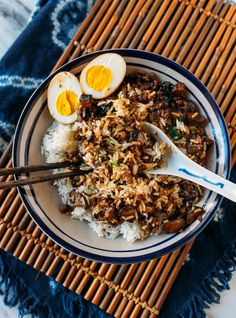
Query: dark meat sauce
{"x": 179, "y": 117}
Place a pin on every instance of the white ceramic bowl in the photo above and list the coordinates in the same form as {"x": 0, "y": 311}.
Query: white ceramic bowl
{"x": 42, "y": 200}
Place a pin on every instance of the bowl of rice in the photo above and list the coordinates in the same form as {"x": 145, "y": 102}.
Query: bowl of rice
{"x": 118, "y": 213}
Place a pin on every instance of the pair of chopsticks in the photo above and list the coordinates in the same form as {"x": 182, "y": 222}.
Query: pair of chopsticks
{"x": 31, "y": 180}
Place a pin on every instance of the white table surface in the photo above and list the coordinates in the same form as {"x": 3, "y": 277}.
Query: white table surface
{"x": 13, "y": 17}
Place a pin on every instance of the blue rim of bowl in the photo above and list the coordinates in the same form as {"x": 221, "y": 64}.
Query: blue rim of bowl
{"x": 181, "y": 70}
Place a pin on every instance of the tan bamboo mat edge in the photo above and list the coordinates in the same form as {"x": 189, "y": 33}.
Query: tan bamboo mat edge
{"x": 200, "y": 35}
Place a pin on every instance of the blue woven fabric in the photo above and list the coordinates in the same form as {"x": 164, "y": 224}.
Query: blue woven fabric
{"x": 33, "y": 55}
{"x": 40, "y": 296}
{"x": 213, "y": 256}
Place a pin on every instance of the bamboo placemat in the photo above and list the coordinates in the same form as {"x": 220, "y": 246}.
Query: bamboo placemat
{"x": 200, "y": 35}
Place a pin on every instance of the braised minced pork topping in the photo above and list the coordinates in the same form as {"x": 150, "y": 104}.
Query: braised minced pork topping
{"x": 111, "y": 139}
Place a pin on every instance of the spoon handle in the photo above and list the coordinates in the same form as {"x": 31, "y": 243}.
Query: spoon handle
{"x": 207, "y": 179}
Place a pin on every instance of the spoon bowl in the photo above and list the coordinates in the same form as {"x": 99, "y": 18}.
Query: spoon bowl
{"x": 178, "y": 164}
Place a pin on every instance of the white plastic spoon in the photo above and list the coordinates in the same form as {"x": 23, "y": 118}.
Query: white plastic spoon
{"x": 178, "y": 164}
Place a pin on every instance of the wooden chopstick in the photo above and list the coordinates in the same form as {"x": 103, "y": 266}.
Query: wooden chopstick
{"x": 51, "y": 177}
{"x": 34, "y": 168}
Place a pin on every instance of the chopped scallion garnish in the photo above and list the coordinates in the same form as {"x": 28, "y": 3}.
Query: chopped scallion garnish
{"x": 173, "y": 133}
{"x": 114, "y": 163}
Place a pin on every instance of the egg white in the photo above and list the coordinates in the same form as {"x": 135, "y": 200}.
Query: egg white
{"x": 63, "y": 81}
{"x": 117, "y": 66}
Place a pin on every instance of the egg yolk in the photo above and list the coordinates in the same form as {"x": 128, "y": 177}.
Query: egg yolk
{"x": 67, "y": 103}
{"x": 98, "y": 77}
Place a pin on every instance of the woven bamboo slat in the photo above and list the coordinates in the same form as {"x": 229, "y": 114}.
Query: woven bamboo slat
{"x": 198, "y": 34}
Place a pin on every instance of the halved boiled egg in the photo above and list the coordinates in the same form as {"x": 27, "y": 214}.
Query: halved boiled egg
{"x": 103, "y": 75}
{"x": 63, "y": 97}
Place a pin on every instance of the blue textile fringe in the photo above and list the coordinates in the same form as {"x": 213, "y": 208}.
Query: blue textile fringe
{"x": 209, "y": 290}
{"x": 36, "y": 300}
{"x": 17, "y": 292}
